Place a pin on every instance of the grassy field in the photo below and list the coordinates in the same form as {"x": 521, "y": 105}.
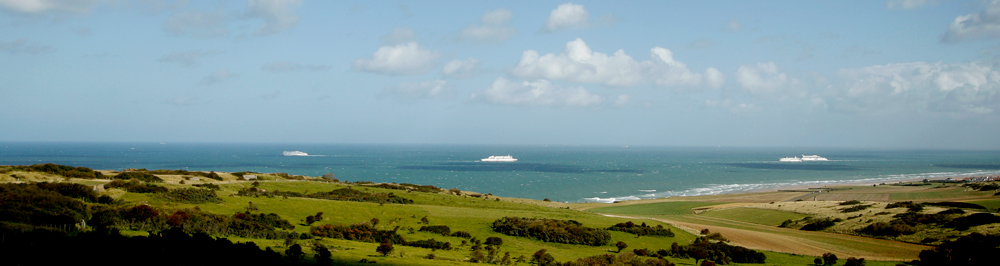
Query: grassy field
{"x": 660, "y": 208}
{"x": 752, "y": 215}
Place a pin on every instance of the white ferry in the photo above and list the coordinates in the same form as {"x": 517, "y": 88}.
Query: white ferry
{"x": 501, "y": 158}
{"x": 790, "y": 160}
{"x": 813, "y": 158}
{"x": 294, "y": 153}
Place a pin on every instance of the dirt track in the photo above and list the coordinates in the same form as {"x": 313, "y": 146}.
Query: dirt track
{"x": 792, "y": 241}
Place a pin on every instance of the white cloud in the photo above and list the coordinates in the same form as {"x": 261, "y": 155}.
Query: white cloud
{"x": 567, "y": 16}
{"x": 493, "y": 28}
{"x": 578, "y": 63}
{"x": 962, "y": 87}
{"x": 278, "y": 15}
{"x": 536, "y": 93}
{"x": 417, "y": 90}
{"x": 982, "y": 25}
{"x": 734, "y": 26}
{"x": 187, "y": 58}
{"x": 622, "y": 100}
{"x": 496, "y": 17}
{"x": 764, "y": 78}
{"x": 402, "y": 59}
{"x": 202, "y": 25}
{"x": 714, "y": 77}
{"x": 218, "y": 76}
{"x": 461, "y": 68}
{"x": 909, "y": 4}
{"x": 21, "y": 46}
{"x": 733, "y": 106}
{"x": 398, "y": 36}
{"x": 42, "y": 6}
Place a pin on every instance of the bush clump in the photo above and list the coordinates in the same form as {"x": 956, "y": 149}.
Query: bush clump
{"x": 429, "y": 243}
{"x": 855, "y": 208}
{"x": 348, "y": 194}
{"x": 963, "y": 223}
{"x": 135, "y": 186}
{"x": 462, "y": 234}
{"x": 642, "y": 229}
{"x": 191, "y": 195}
{"x": 963, "y": 205}
{"x": 364, "y": 232}
{"x": 549, "y": 230}
{"x": 437, "y": 229}
{"x": 61, "y": 170}
{"x": 820, "y": 224}
{"x": 134, "y": 175}
{"x": 892, "y": 229}
{"x": 29, "y": 204}
{"x": 850, "y": 202}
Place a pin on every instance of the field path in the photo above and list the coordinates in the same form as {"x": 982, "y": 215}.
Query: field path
{"x": 770, "y": 238}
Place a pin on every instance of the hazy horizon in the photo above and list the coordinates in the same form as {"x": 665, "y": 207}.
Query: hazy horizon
{"x": 896, "y": 74}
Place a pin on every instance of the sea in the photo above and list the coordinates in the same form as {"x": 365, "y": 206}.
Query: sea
{"x": 556, "y": 172}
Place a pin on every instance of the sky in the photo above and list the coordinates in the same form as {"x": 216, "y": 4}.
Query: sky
{"x": 908, "y": 74}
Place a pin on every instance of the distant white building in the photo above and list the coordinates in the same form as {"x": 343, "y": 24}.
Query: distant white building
{"x": 249, "y": 177}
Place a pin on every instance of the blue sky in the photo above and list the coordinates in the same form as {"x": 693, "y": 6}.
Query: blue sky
{"x": 887, "y": 74}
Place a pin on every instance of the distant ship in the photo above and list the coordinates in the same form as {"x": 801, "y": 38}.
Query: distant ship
{"x": 501, "y": 158}
{"x": 813, "y": 158}
{"x": 790, "y": 160}
{"x": 294, "y": 153}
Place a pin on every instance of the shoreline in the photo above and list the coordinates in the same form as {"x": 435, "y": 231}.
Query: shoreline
{"x": 814, "y": 185}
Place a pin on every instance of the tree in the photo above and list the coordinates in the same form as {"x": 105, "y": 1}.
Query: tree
{"x": 818, "y": 261}
{"x": 506, "y": 259}
{"x": 385, "y": 248}
{"x": 829, "y": 259}
{"x": 542, "y": 258}
{"x": 322, "y": 255}
{"x": 294, "y": 252}
{"x": 621, "y": 245}
{"x": 310, "y": 220}
{"x": 374, "y": 221}
{"x": 852, "y": 261}
{"x": 494, "y": 241}
{"x": 424, "y": 220}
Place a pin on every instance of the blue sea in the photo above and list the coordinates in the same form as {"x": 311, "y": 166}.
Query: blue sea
{"x": 560, "y": 173}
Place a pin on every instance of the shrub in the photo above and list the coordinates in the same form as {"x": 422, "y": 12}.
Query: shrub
{"x": 61, "y": 170}
{"x": 820, "y": 224}
{"x": 963, "y": 223}
{"x": 429, "y": 243}
{"x": 850, "y": 202}
{"x": 437, "y": 229}
{"x": 29, "y": 204}
{"x": 462, "y": 234}
{"x": 548, "y": 230}
{"x": 191, "y": 195}
{"x": 895, "y": 228}
{"x": 208, "y": 186}
{"x": 348, "y": 194}
{"x": 905, "y": 204}
{"x": 855, "y": 208}
{"x": 135, "y": 186}
{"x": 964, "y": 205}
{"x": 364, "y": 232}
{"x": 972, "y": 249}
{"x": 642, "y": 230}
{"x": 141, "y": 176}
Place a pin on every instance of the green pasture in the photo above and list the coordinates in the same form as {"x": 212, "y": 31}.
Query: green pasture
{"x": 944, "y": 193}
{"x": 752, "y": 215}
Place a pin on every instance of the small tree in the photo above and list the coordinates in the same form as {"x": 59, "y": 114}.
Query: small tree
{"x": 294, "y": 252}
{"x": 424, "y": 220}
{"x": 322, "y": 255}
{"x": 818, "y": 261}
{"x": 494, "y": 241}
{"x": 542, "y": 258}
{"x": 506, "y": 259}
{"x": 374, "y": 221}
{"x": 621, "y": 245}
{"x": 385, "y": 248}
{"x": 310, "y": 220}
{"x": 829, "y": 259}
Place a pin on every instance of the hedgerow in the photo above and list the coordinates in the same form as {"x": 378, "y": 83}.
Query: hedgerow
{"x": 549, "y": 230}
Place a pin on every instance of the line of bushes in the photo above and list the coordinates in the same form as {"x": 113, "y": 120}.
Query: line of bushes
{"x": 135, "y": 186}
{"x": 642, "y": 230}
{"x": 549, "y": 230}
{"x": 191, "y": 195}
{"x": 62, "y": 170}
{"x": 364, "y": 232}
{"x": 141, "y": 176}
{"x": 348, "y": 194}
{"x": 437, "y": 229}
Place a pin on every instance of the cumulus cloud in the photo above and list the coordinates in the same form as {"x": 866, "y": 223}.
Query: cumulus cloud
{"x": 493, "y": 28}
{"x": 982, "y": 25}
{"x": 278, "y": 15}
{"x": 417, "y": 90}
{"x": 398, "y": 36}
{"x": 187, "y": 58}
{"x": 218, "y": 76}
{"x": 961, "y": 87}
{"x": 198, "y": 24}
{"x": 909, "y": 4}
{"x": 577, "y": 63}
{"x": 536, "y": 93}
{"x": 42, "y": 6}
{"x": 567, "y": 16}
{"x": 461, "y": 68}
{"x": 21, "y": 46}
{"x": 402, "y": 59}
{"x": 764, "y": 78}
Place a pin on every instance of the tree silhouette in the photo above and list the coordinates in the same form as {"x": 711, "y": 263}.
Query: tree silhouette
{"x": 621, "y": 245}
{"x": 385, "y": 248}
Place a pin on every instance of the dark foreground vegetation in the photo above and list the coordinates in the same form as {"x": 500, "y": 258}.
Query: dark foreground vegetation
{"x": 549, "y": 230}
